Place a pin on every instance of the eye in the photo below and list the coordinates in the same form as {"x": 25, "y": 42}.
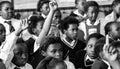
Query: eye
{"x": 90, "y": 46}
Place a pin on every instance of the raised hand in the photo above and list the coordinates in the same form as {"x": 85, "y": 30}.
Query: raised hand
{"x": 109, "y": 52}
{"x": 53, "y": 5}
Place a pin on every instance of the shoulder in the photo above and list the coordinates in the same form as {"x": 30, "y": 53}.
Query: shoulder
{"x": 98, "y": 64}
{"x": 80, "y": 53}
{"x": 28, "y": 66}
{"x": 70, "y": 65}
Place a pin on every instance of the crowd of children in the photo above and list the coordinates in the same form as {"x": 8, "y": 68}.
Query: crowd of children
{"x": 45, "y": 41}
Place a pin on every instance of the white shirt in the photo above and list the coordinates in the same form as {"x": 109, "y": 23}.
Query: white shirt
{"x": 27, "y": 66}
{"x": 77, "y": 13}
{"x": 6, "y": 49}
{"x": 109, "y": 18}
{"x": 82, "y": 26}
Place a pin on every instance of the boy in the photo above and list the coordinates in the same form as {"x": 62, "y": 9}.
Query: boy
{"x": 92, "y": 24}
{"x": 6, "y": 18}
{"x": 70, "y": 43}
{"x": 51, "y": 47}
{"x": 80, "y": 12}
{"x": 113, "y": 30}
{"x": 43, "y": 8}
{"x": 85, "y": 58}
{"x": 114, "y": 16}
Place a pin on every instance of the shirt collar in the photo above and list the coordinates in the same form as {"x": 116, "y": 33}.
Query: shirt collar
{"x": 77, "y": 13}
{"x": 88, "y": 22}
{"x": 87, "y": 57}
{"x": 109, "y": 67}
{"x": 44, "y": 16}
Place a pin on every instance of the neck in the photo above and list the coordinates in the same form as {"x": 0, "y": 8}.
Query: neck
{"x": 69, "y": 39}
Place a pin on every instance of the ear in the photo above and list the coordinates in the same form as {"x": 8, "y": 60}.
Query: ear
{"x": 43, "y": 53}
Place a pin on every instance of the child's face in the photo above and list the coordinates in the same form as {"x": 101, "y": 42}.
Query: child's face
{"x": 45, "y": 8}
{"x": 38, "y": 28}
{"x": 115, "y": 30}
{"x": 117, "y": 9}
{"x": 56, "y": 17}
{"x": 55, "y": 51}
{"x": 90, "y": 47}
{"x": 80, "y": 5}
{"x": 92, "y": 13}
{"x": 72, "y": 31}
{"x": 6, "y": 11}
{"x": 20, "y": 55}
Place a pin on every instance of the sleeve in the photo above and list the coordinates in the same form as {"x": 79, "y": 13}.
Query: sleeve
{"x": 70, "y": 65}
{"x": 6, "y": 50}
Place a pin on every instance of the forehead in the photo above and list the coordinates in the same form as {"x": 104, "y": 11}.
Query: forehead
{"x": 56, "y": 46}
{"x": 92, "y": 8}
{"x": 81, "y": 1}
{"x": 6, "y": 5}
{"x": 92, "y": 40}
{"x": 20, "y": 48}
{"x": 45, "y": 5}
{"x": 72, "y": 26}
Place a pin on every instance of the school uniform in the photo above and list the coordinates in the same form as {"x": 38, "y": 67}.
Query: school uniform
{"x": 6, "y": 51}
{"x": 83, "y": 60}
{"x": 88, "y": 28}
{"x": 101, "y": 64}
{"x": 14, "y": 23}
{"x": 109, "y": 18}
{"x": 69, "y": 49}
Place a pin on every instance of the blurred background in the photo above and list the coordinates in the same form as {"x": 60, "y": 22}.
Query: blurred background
{"x": 24, "y": 8}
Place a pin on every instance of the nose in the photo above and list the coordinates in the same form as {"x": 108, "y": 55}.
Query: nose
{"x": 24, "y": 56}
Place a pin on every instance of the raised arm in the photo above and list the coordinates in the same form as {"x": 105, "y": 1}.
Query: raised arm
{"x": 46, "y": 27}
{"x": 6, "y": 49}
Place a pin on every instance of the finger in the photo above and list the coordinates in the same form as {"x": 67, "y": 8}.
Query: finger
{"x": 114, "y": 51}
{"x": 110, "y": 49}
{"x": 107, "y": 40}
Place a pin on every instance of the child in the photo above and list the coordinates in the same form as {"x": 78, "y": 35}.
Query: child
{"x": 51, "y": 47}
{"x": 101, "y": 62}
{"x": 20, "y": 56}
{"x": 53, "y": 6}
{"x": 54, "y": 30}
{"x": 43, "y": 8}
{"x": 92, "y": 24}
{"x": 6, "y": 50}
{"x": 70, "y": 43}
{"x": 113, "y": 16}
{"x": 6, "y": 17}
{"x": 113, "y": 30}
{"x": 80, "y": 12}
{"x": 85, "y": 58}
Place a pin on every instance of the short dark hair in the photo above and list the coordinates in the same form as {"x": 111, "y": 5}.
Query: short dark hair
{"x": 3, "y": 2}
{"x": 108, "y": 27}
{"x": 115, "y": 44}
{"x": 99, "y": 46}
{"x": 76, "y": 1}
{"x": 47, "y": 41}
{"x": 92, "y": 3}
{"x": 94, "y": 35}
{"x": 64, "y": 24}
{"x": 40, "y": 4}
{"x": 33, "y": 23}
{"x": 115, "y": 2}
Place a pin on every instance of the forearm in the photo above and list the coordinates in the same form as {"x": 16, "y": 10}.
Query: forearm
{"x": 46, "y": 27}
{"x": 115, "y": 64}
